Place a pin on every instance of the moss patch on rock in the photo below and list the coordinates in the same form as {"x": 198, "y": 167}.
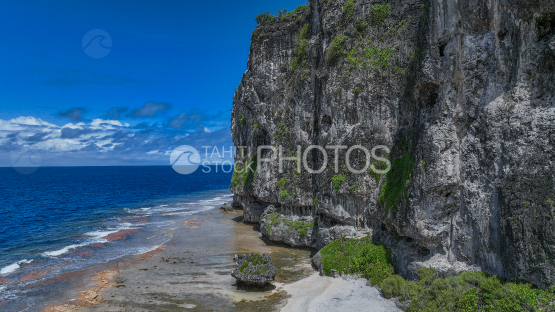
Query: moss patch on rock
{"x": 257, "y": 261}
{"x": 337, "y": 181}
{"x": 396, "y": 184}
{"x": 253, "y": 269}
{"x": 245, "y": 173}
{"x": 277, "y": 218}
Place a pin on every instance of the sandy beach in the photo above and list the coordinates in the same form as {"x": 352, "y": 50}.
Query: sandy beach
{"x": 191, "y": 272}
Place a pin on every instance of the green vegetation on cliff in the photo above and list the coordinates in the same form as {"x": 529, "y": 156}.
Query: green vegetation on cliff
{"x": 282, "y": 14}
{"x": 264, "y": 17}
{"x": 354, "y": 188}
{"x": 396, "y": 184}
{"x": 357, "y": 256}
{"x": 301, "y": 47}
{"x": 379, "y": 14}
{"x": 335, "y": 51}
{"x": 379, "y": 165}
{"x": 302, "y": 8}
{"x": 469, "y": 291}
{"x": 277, "y": 218}
{"x": 243, "y": 174}
{"x": 283, "y": 188}
{"x": 348, "y": 10}
{"x": 336, "y": 181}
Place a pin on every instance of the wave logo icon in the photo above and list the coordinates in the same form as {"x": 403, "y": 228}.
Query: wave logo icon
{"x": 26, "y": 162}
{"x": 97, "y": 43}
{"x": 185, "y": 159}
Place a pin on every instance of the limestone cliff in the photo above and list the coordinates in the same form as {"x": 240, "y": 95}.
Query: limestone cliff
{"x": 462, "y": 92}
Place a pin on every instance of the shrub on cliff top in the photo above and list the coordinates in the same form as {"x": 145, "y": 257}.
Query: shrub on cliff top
{"x": 301, "y": 8}
{"x": 264, "y": 17}
{"x": 267, "y": 16}
{"x": 357, "y": 256}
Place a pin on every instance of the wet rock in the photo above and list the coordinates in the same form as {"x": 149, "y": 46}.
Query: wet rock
{"x": 254, "y": 269}
{"x": 226, "y": 208}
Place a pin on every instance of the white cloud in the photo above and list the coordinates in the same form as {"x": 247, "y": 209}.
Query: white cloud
{"x": 61, "y": 145}
{"x": 100, "y": 140}
{"x": 79, "y": 125}
{"x": 22, "y": 123}
{"x": 32, "y": 121}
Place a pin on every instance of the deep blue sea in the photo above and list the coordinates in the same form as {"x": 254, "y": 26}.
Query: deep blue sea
{"x": 50, "y": 219}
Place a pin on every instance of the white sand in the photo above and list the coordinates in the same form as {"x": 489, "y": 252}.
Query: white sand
{"x": 323, "y": 293}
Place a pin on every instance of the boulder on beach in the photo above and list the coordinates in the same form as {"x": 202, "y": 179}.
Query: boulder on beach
{"x": 254, "y": 269}
{"x": 226, "y": 208}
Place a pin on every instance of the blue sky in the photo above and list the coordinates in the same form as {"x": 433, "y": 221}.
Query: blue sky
{"x": 167, "y": 80}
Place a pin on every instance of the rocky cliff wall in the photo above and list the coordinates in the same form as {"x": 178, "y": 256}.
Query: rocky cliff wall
{"x": 463, "y": 95}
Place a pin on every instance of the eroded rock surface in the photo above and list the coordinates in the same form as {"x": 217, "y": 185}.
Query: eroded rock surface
{"x": 254, "y": 269}
{"x": 289, "y": 229}
{"x": 463, "y": 95}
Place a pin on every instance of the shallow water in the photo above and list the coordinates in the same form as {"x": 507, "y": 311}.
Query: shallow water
{"x": 62, "y": 220}
{"x": 193, "y": 271}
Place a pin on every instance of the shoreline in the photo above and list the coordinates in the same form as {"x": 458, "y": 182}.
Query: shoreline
{"x": 192, "y": 272}
{"x": 45, "y": 272}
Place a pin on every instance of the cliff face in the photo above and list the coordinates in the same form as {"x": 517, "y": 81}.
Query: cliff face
{"x": 461, "y": 92}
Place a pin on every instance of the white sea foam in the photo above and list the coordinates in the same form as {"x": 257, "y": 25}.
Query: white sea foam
{"x": 62, "y": 251}
{"x": 184, "y": 208}
{"x": 98, "y": 236}
{"x": 13, "y": 267}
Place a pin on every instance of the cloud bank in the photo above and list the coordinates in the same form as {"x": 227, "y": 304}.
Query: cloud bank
{"x": 107, "y": 141}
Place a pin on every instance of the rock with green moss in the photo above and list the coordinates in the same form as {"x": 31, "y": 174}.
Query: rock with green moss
{"x": 290, "y": 229}
{"x": 254, "y": 269}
